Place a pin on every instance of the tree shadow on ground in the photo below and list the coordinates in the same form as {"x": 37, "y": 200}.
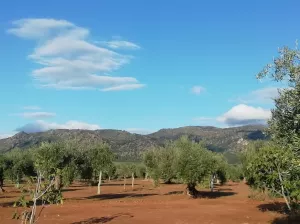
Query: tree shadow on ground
{"x": 5, "y": 196}
{"x": 7, "y": 204}
{"x": 223, "y": 189}
{"x": 278, "y": 207}
{"x": 117, "y": 184}
{"x": 19, "y": 205}
{"x": 69, "y": 189}
{"x": 214, "y": 194}
{"x": 205, "y": 194}
{"x": 281, "y": 208}
{"x": 291, "y": 219}
{"x": 118, "y": 196}
{"x": 174, "y": 192}
{"x": 105, "y": 219}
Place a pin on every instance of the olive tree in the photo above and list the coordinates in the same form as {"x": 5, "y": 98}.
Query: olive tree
{"x": 111, "y": 171}
{"x": 123, "y": 171}
{"x": 55, "y": 160}
{"x": 101, "y": 159}
{"x": 132, "y": 170}
{"x": 192, "y": 164}
{"x": 2, "y": 165}
{"x": 151, "y": 161}
{"x": 284, "y": 125}
{"x": 17, "y": 164}
{"x": 161, "y": 162}
{"x": 217, "y": 166}
{"x": 277, "y": 170}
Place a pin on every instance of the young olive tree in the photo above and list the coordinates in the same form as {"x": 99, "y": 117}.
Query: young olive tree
{"x": 111, "y": 171}
{"x": 167, "y": 158}
{"x": 277, "y": 170}
{"x": 123, "y": 171}
{"x": 141, "y": 171}
{"x": 151, "y": 162}
{"x": 217, "y": 168}
{"x": 132, "y": 170}
{"x": 55, "y": 162}
{"x": 101, "y": 159}
{"x": 17, "y": 164}
{"x": 2, "y": 167}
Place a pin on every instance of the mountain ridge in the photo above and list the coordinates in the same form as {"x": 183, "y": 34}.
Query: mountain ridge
{"x": 130, "y": 146}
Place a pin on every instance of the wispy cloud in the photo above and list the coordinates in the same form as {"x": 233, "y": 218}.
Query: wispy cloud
{"x": 68, "y": 59}
{"x": 140, "y": 131}
{"x": 3, "y": 136}
{"x": 36, "y": 115}
{"x": 40, "y": 126}
{"x": 197, "y": 90}
{"x": 263, "y": 96}
{"x": 121, "y": 44}
{"x": 243, "y": 114}
{"x": 123, "y": 87}
{"x": 31, "y": 108}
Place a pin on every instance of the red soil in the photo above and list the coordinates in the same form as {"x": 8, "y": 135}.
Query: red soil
{"x": 145, "y": 204}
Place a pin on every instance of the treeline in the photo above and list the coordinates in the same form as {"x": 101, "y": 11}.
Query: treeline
{"x": 59, "y": 164}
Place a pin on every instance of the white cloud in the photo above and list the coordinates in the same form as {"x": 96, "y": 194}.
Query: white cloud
{"x": 31, "y": 108}
{"x": 3, "y": 136}
{"x": 68, "y": 59}
{"x": 41, "y": 125}
{"x": 140, "y": 131}
{"x": 121, "y": 44}
{"x": 264, "y": 95}
{"x": 37, "y": 115}
{"x": 197, "y": 90}
{"x": 243, "y": 114}
{"x": 37, "y": 28}
{"x": 123, "y": 87}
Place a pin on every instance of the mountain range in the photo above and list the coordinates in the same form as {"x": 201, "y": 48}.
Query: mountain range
{"x": 129, "y": 147}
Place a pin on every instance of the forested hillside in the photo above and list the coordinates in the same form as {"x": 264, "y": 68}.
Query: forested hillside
{"x": 130, "y": 146}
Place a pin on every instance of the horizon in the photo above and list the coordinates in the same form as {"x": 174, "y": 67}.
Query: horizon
{"x": 141, "y": 133}
{"x": 139, "y": 67}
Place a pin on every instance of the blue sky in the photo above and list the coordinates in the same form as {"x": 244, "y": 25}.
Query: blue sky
{"x": 138, "y": 65}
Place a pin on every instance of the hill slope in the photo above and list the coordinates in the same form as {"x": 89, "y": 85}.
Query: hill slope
{"x": 130, "y": 146}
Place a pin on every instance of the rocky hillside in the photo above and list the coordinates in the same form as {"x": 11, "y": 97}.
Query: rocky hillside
{"x": 130, "y": 146}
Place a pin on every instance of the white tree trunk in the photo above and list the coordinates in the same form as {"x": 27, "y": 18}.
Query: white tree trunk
{"x": 132, "y": 181}
{"x": 212, "y": 183}
{"x": 282, "y": 190}
{"x": 99, "y": 183}
{"x": 124, "y": 182}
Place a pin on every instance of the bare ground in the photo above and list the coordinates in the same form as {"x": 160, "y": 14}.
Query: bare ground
{"x": 145, "y": 204}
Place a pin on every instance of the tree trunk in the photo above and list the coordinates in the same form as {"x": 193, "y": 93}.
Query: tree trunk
{"x": 1, "y": 186}
{"x": 212, "y": 183}
{"x": 244, "y": 179}
{"x": 108, "y": 178}
{"x": 57, "y": 184}
{"x": 283, "y": 192}
{"x": 132, "y": 180}
{"x": 18, "y": 182}
{"x": 191, "y": 190}
{"x": 124, "y": 182}
{"x": 99, "y": 183}
{"x": 146, "y": 176}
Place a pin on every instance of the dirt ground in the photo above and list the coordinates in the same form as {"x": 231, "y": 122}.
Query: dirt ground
{"x": 145, "y": 204}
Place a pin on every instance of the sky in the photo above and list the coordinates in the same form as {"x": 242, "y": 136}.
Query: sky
{"x": 139, "y": 65}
